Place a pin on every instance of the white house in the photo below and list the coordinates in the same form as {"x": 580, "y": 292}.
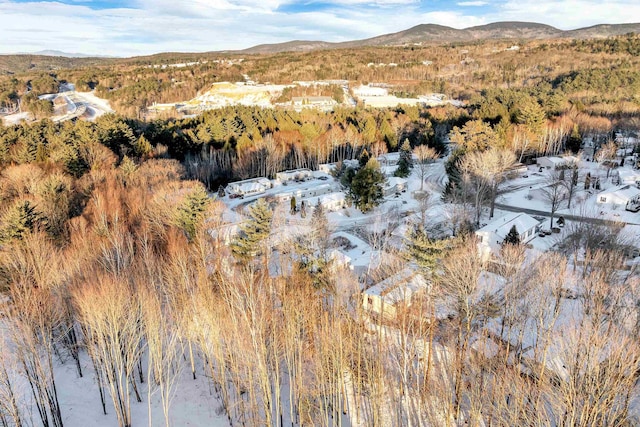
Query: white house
{"x": 621, "y": 195}
{"x": 386, "y": 297}
{"x": 330, "y": 202}
{"x": 319, "y": 102}
{"x": 394, "y": 185}
{"x": 294, "y": 175}
{"x": 553, "y": 162}
{"x": 629, "y": 176}
{"x": 303, "y": 193}
{"x": 248, "y": 187}
{"x": 491, "y": 236}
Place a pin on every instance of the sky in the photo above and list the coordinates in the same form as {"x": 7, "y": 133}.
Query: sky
{"x": 139, "y": 27}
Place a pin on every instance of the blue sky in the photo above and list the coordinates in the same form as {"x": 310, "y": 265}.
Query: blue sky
{"x": 127, "y": 28}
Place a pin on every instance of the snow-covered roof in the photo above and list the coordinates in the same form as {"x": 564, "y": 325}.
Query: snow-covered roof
{"x": 339, "y": 257}
{"x": 369, "y": 91}
{"x": 395, "y": 181}
{"x": 330, "y": 198}
{"x": 557, "y": 160}
{"x": 501, "y": 226}
{"x": 624, "y": 192}
{"x": 294, "y": 173}
{"x": 250, "y": 185}
{"x": 398, "y": 287}
{"x": 629, "y": 176}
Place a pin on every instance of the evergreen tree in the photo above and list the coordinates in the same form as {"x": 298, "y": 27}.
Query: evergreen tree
{"x": 191, "y": 212}
{"x": 575, "y": 140}
{"x": 221, "y": 192}
{"x": 253, "y": 232}
{"x": 366, "y": 187}
{"x": 364, "y": 158}
{"x": 405, "y": 161}
{"x": 423, "y": 250}
{"x": 532, "y": 116}
{"x": 142, "y": 147}
{"x": 512, "y": 237}
{"x": 127, "y": 168}
{"x": 21, "y": 218}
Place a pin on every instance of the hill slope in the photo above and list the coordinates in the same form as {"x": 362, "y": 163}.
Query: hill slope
{"x": 432, "y": 33}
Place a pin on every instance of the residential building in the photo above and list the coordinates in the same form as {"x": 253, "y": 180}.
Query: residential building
{"x": 294, "y": 175}
{"x": 318, "y": 102}
{"x": 622, "y": 195}
{"x": 248, "y": 187}
{"x": 491, "y": 236}
{"x": 387, "y": 297}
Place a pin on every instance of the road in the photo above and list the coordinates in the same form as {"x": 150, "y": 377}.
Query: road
{"x": 75, "y": 108}
{"x": 589, "y": 220}
{"x": 436, "y": 178}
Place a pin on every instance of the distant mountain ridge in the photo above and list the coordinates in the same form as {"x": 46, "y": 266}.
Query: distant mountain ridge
{"x": 433, "y": 33}
{"x": 59, "y": 53}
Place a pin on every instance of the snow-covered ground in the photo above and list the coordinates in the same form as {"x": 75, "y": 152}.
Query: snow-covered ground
{"x": 17, "y": 118}
{"x": 67, "y": 105}
{"x": 193, "y": 402}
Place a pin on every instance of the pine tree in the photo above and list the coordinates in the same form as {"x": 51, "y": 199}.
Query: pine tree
{"x": 253, "y": 232}
{"x": 512, "y": 237}
{"x": 127, "y": 168}
{"x": 366, "y": 187}
{"x": 423, "y": 250}
{"x": 405, "y": 161}
{"x": 191, "y": 212}
{"x": 364, "y": 158}
{"x": 20, "y": 219}
{"x": 142, "y": 147}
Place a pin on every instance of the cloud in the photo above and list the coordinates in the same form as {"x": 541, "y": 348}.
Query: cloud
{"x": 571, "y": 14}
{"x": 126, "y": 28}
{"x": 472, "y": 3}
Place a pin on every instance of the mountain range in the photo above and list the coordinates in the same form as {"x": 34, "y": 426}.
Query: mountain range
{"x": 432, "y": 33}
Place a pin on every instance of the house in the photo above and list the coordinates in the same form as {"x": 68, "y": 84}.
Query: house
{"x": 629, "y": 176}
{"x": 491, "y": 236}
{"x": 394, "y": 185}
{"x": 248, "y": 187}
{"x": 517, "y": 168}
{"x": 294, "y": 175}
{"x": 303, "y": 193}
{"x": 318, "y": 102}
{"x": 326, "y": 167}
{"x": 622, "y": 195}
{"x": 385, "y": 298}
{"x": 330, "y": 202}
{"x": 554, "y": 163}
{"x": 339, "y": 259}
